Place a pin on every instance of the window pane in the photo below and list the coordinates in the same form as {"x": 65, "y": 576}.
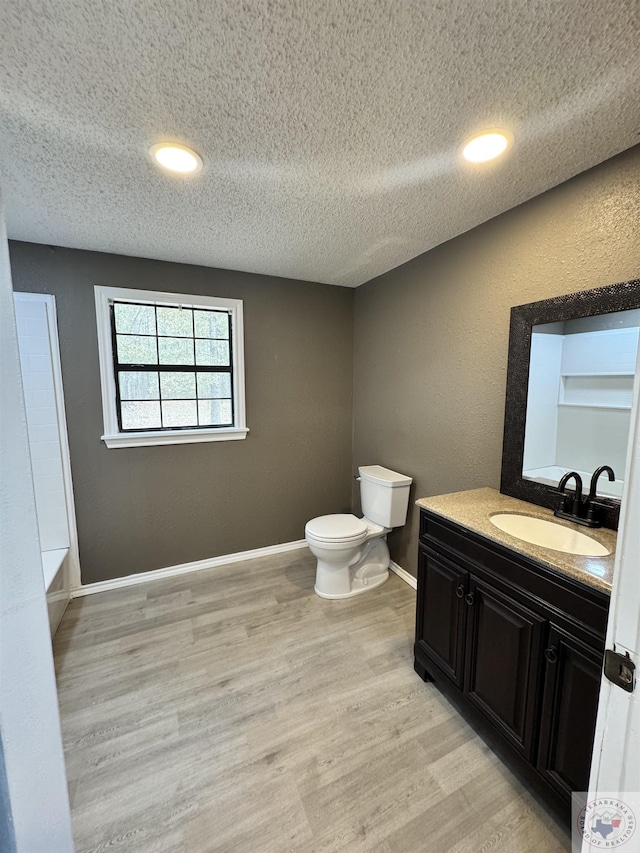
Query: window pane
{"x": 212, "y": 353}
{"x": 175, "y": 350}
{"x": 214, "y": 385}
{"x": 138, "y": 385}
{"x": 141, "y": 415}
{"x": 211, "y": 324}
{"x": 134, "y": 349}
{"x": 178, "y": 386}
{"x": 135, "y": 319}
{"x": 179, "y": 413}
{"x": 176, "y": 322}
{"x": 215, "y": 412}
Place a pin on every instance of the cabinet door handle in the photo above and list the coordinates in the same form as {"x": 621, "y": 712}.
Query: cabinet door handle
{"x": 469, "y": 598}
{"x": 460, "y": 591}
{"x": 551, "y": 654}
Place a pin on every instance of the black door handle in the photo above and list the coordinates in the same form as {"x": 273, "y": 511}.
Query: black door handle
{"x": 551, "y": 654}
{"x": 469, "y": 598}
{"x": 460, "y": 591}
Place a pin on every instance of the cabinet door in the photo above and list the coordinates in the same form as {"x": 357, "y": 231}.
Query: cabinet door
{"x": 503, "y": 655}
{"x": 569, "y": 708}
{"x": 440, "y": 616}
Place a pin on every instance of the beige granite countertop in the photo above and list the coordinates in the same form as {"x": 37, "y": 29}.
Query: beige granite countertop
{"x": 472, "y": 509}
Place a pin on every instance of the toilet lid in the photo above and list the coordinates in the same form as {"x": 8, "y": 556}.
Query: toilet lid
{"x": 336, "y": 527}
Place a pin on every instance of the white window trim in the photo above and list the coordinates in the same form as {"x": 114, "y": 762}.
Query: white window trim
{"x": 112, "y": 436}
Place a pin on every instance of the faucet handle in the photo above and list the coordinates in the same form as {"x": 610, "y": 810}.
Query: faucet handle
{"x": 594, "y": 509}
{"x": 572, "y": 505}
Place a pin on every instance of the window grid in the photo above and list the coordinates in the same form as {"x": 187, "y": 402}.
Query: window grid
{"x": 195, "y": 369}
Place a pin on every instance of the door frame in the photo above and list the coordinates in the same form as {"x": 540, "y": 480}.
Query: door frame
{"x": 72, "y": 563}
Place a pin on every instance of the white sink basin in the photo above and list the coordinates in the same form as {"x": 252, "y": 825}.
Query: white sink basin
{"x": 537, "y": 531}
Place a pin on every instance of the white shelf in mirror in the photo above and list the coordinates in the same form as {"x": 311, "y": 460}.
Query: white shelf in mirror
{"x": 600, "y": 373}
{"x": 622, "y": 408}
{"x": 598, "y": 391}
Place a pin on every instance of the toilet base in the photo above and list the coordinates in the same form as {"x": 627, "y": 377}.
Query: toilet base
{"x": 368, "y": 569}
{"x": 358, "y": 586}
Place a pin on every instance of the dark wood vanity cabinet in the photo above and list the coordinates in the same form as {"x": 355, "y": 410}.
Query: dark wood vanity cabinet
{"x": 569, "y": 708}
{"x": 517, "y": 647}
{"x": 441, "y": 590}
{"x": 503, "y": 656}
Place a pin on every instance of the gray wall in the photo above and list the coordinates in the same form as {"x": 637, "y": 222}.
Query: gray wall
{"x": 431, "y": 337}
{"x": 145, "y": 508}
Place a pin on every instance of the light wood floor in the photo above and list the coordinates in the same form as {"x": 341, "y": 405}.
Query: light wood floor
{"x": 233, "y": 710}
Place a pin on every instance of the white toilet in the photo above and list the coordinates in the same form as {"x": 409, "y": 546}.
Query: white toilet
{"x": 353, "y": 555}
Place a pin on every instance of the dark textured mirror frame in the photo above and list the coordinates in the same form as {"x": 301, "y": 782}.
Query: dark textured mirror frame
{"x": 586, "y": 303}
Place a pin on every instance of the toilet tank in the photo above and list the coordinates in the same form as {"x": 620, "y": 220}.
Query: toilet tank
{"x": 384, "y": 495}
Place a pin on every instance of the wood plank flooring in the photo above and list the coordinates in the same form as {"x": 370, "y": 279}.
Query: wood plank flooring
{"x": 234, "y": 711}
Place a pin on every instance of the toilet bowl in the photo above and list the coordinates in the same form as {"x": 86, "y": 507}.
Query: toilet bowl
{"x": 352, "y": 552}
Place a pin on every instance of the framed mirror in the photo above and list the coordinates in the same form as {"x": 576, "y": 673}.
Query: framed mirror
{"x": 572, "y": 361}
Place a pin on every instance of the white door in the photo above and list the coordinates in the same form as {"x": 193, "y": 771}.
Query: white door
{"x": 35, "y": 803}
{"x": 615, "y": 768}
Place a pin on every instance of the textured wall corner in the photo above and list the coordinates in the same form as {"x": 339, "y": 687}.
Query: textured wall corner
{"x": 431, "y": 338}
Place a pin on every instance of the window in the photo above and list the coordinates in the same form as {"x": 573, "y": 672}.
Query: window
{"x": 171, "y": 367}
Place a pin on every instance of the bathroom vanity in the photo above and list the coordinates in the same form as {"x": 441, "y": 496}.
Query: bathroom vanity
{"x": 513, "y": 634}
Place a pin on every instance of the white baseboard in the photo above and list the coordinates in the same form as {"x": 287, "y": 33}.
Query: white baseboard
{"x": 404, "y": 574}
{"x": 185, "y": 568}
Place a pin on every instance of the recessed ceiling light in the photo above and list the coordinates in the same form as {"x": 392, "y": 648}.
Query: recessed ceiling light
{"x": 176, "y": 158}
{"x": 486, "y": 145}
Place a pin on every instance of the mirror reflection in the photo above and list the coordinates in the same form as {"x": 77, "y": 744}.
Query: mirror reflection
{"x": 581, "y": 375}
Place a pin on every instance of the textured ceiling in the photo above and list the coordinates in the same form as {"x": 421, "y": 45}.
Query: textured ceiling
{"x": 330, "y": 131}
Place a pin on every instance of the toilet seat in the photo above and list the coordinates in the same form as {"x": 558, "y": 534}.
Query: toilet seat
{"x": 337, "y": 529}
